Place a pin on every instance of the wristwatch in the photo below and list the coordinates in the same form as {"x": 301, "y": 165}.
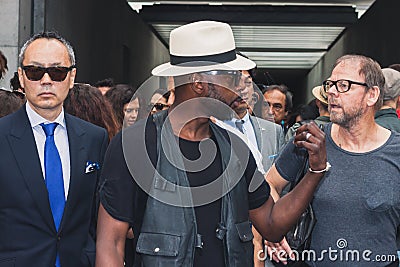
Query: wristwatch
{"x": 327, "y": 168}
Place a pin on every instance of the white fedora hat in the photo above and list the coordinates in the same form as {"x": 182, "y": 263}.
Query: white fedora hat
{"x": 202, "y": 46}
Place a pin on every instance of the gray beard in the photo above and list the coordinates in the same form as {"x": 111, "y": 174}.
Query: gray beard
{"x": 350, "y": 118}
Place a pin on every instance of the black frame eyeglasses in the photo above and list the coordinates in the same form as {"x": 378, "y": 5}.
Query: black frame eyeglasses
{"x": 36, "y": 73}
{"x": 234, "y": 73}
{"x": 342, "y": 85}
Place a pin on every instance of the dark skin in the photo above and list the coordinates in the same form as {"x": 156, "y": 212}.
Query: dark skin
{"x": 272, "y": 220}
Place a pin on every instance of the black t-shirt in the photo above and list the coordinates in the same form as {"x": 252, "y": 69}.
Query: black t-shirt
{"x": 126, "y": 201}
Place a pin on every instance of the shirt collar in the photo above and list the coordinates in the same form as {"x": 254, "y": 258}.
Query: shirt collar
{"x": 35, "y": 119}
{"x": 245, "y": 119}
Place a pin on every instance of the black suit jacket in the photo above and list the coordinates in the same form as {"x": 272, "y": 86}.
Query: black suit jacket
{"x": 27, "y": 232}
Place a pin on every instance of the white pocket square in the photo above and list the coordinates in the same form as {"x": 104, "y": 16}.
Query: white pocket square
{"x": 91, "y": 166}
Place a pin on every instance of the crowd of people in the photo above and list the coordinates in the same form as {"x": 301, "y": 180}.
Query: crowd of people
{"x": 196, "y": 173}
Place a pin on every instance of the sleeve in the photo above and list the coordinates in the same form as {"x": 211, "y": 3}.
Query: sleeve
{"x": 117, "y": 189}
{"x": 290, "y": 161}
{"x": 258, "y": 197}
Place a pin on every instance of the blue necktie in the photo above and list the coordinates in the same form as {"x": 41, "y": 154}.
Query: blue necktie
{"x": 54, "y": 177}
{"x": 239, "y": 125}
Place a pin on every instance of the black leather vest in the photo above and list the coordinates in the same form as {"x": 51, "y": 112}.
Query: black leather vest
{"x": 169, "y": 235}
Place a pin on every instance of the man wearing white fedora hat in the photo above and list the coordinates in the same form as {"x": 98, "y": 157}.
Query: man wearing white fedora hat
{"x": 187, "y": 187}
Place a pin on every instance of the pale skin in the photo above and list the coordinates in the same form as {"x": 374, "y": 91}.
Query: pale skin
{"x": 276, "y": 98}
{"x": 360, "y": 134}
{"x": 45, "y": 96}
{"x": 272, "y": 220}
{"x": 131, "y": 111}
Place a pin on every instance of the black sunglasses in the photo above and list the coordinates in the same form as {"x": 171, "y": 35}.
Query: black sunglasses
{"x": 36, "y": 73}
{"x": 157, "y": 106}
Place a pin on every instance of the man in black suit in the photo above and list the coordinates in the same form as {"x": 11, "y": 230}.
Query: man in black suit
{"x": 36, "y": 229}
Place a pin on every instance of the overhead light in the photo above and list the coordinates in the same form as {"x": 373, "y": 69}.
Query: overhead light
{"x": 285, "y": 60}
{"x": 137, "y": 6}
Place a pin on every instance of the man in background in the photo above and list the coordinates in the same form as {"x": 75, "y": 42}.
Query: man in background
{"x": 279, "y": 100}
{"x": 386, "y": 116}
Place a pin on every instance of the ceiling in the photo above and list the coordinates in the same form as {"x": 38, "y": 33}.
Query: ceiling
{"x": 275, "y": 34}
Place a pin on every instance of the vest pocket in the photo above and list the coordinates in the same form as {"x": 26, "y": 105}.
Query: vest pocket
{"x": 158, "y": 244}
{"x": 244, "y": 231}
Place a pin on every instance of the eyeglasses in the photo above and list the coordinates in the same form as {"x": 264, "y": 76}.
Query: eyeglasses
{"x": 157, "y": 106}
{"x": 235, "y": 74}
{"x": 341, "y": 86}
{"x": 57, "y": 74}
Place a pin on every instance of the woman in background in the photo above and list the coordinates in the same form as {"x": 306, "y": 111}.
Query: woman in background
{"x": 86, "y": 102}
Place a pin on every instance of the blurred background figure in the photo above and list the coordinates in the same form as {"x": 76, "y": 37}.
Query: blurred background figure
{"x": 279, "y": 100}
{"x": 15, "y": 85}
{"x": 159, "y": 100}
{"x": 131, "y": 112}
{"x": 3, "y": 65}
{"x": 127, "y": 109}
{"x": 104, "y": 85}
{"x": 386, "y": 116}
{"x": 304, "y": 113}
{"x": 396, "y": 67}
{"x": 87, "y": 103}
{"x": 320, "y": 116}
{"x": 10, "y": 101}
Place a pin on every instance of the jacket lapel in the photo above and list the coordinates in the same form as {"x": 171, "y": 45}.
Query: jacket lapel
{"x": 23, "y": 145}
{"x": 77, "y": 152}
{"x": 257, "y": 131}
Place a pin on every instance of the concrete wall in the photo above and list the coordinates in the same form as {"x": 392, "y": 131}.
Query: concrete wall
{"x": 109, "y": 38}
{"x": 376, "y": 35}
{"x": 14, "y": 28}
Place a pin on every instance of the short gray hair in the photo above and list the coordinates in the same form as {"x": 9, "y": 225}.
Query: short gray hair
{"x": 47, "y": 35}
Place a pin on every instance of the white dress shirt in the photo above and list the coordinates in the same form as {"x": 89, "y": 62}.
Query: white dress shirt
{"x": 248, "y": 129}
{"x": 60, "y": 139}
{"x": 230, "y": 125}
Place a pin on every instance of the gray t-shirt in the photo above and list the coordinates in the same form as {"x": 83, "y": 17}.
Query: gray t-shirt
{"x": 357, "y": 204}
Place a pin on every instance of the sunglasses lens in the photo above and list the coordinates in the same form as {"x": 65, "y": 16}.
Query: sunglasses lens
{"x": 34, "y": 73}
{"x": 57, "y": 74}
{"x": 158, "y": 106}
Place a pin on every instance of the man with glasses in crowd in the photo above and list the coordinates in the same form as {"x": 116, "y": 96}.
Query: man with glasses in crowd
{"x": 187, "y": 187}
{"x": 357, "y": 204}
{"x": 49, "y": 165}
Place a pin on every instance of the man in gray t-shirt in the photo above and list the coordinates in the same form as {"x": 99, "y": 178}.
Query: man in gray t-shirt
{"x": 357, "y": 204}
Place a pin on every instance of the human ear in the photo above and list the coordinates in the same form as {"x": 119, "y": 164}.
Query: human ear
{"x": 373, "y": 95}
